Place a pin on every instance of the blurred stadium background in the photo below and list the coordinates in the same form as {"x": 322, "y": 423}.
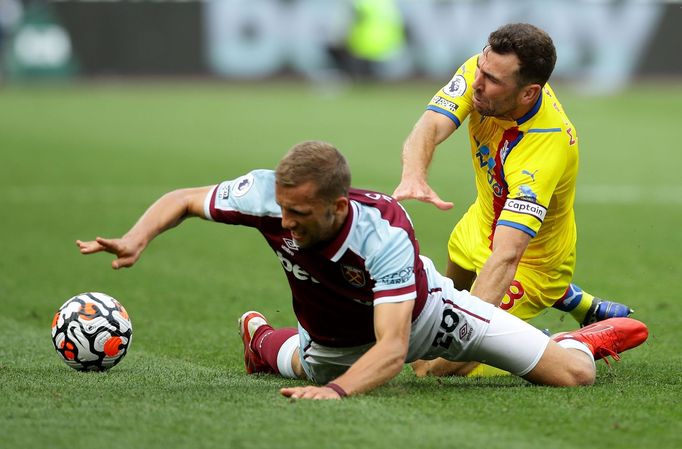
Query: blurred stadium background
{"x": 602, "y": 44}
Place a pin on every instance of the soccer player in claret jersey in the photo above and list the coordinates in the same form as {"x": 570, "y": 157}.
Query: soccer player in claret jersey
{"x": 366, "y": 301}
{"x": 516, "y": 245}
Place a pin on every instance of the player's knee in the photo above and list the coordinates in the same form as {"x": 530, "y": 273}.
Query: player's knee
{"x": 563, "y": 368}
{"x": 566, "y": 376}
{"x": 578, "y": 371}
{"x": 580, "y": 367}
{"x": 581, "y": 374}
{"x": 576, "y": 377}
{"x": 297, "y": 366}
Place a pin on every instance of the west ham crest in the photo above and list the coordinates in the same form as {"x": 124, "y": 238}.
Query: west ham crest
{"x": 354, "y": 276}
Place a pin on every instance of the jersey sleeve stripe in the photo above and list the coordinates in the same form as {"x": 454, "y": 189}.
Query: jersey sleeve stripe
{"x": 544, "y": 130}
{"x": 448, "y": 114}
{"x": 518, "y": 226}
{"x": 392, "y": 299}
{"x": 208, "y": 201}
{"x": 410, "y": 289}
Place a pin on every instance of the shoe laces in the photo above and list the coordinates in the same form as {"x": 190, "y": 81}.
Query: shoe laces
{"x": 604, "y": 352}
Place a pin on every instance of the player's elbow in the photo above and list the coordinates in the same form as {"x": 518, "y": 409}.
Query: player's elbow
{"x": 396, "y": 360}
{"x": 187, "y": 202}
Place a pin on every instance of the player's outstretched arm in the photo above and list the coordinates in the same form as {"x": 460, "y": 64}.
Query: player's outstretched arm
{"x": 429, "y": 131}
{"x": 498, "y": 272}
{"x": 384, "y": 361}
{"x": 168, "y": 211}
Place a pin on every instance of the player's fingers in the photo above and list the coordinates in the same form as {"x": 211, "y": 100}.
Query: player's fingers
{"x": 306, "y": 393}
{"x": 123, "y": 262}
{"x": 287, "y": 392}
{"x": 88, "y": 247}
{"x": 442, "y": 205}
{"x": 433, "y": 198}
{"x": 110, "y": 245}
{"x": 317, "y": 393}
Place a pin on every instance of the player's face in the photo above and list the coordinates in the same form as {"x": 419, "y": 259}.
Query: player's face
{"x": 496, "y": 93}
{"x": 310, "y": 219}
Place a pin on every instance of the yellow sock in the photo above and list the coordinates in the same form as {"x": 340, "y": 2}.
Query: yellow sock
{"x": 576, "y": 301}
{"x": 583, "y": 307}
{"x": 487, "y": 371}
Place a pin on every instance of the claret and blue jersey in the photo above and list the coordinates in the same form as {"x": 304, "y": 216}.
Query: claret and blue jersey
{"x": 375, "y": 258}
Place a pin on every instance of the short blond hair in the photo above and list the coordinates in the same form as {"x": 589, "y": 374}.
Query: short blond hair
{"x": 319, "y": 162}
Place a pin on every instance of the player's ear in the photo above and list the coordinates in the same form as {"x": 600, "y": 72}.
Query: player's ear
{"x": 530, "y": 93}
{"x": 341, "y": 204}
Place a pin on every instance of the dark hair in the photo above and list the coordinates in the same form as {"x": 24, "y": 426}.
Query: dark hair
{"x": 315, "y": 161}
{"x": 531, "y": 45}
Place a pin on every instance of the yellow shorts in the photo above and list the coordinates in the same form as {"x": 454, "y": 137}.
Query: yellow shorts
{"x": 534, "y": 288}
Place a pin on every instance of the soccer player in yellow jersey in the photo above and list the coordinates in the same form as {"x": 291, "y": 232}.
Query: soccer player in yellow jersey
{"x": 515, "y": 246}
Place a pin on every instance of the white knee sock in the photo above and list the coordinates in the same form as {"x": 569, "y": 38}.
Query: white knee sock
{"x": 284, "y": 356}
{"x": 569, "y": 343}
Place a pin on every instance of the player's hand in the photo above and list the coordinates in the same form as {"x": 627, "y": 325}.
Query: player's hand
{"x": 420, "y": 191}
{"x": 125, "y": 249}
{"x": 309, "y": 392}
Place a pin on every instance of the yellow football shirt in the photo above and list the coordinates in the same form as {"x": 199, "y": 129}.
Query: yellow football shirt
{"x": 525, "y": 172}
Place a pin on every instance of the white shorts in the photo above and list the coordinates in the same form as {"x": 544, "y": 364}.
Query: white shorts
{"x": 453, "y": 325}
{"x": 510, "y": 344}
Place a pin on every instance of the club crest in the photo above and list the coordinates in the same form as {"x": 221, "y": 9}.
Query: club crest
{"x": 354, "y": 276}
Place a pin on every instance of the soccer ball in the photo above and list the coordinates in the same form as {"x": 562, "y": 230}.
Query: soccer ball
{"x": 91, "y": 332}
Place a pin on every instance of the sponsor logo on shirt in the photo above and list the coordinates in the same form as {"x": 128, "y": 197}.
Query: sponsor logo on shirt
{"x": 456, "y": 87}
{"x": 532, "y": 175}
{"x": 242, "y": 185}
{"x": 445, "y": 104}
{"x": 465, "y": 332}
{"x": 487, "y": 162}
{"x": 504, "y": 151}
{"x": 224, "y": 192}
{"x": 526, "y": 193}
{"x": 399, "y": 277}
{"x": 525, "y": 207}
{"x": 291, "y": 244}
{"x": 295, "y": 269}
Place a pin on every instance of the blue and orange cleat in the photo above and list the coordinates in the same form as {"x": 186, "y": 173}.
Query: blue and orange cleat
{"x": 249, "y": 323}
{"x": 609, "y": 337}
{"x": 602, "y": 309}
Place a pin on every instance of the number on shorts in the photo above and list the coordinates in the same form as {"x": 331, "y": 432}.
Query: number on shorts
{"x": 448, "y": 324}
{"x": 514, "y": 293}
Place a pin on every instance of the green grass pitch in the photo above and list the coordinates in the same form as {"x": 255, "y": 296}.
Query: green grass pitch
{"x": 78, "y": 161}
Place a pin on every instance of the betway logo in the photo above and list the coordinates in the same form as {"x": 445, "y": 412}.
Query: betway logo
{"x": 295, "y": 269}
{"x": 525, "y": 207}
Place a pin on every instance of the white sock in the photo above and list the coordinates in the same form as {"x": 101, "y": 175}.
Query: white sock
{"x": 285, "y": 355}
{"x": 570, "y": 343}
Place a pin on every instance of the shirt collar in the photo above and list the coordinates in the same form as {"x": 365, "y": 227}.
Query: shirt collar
{"x": 534, "y": 110}
{"x": 337, "y": 247}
